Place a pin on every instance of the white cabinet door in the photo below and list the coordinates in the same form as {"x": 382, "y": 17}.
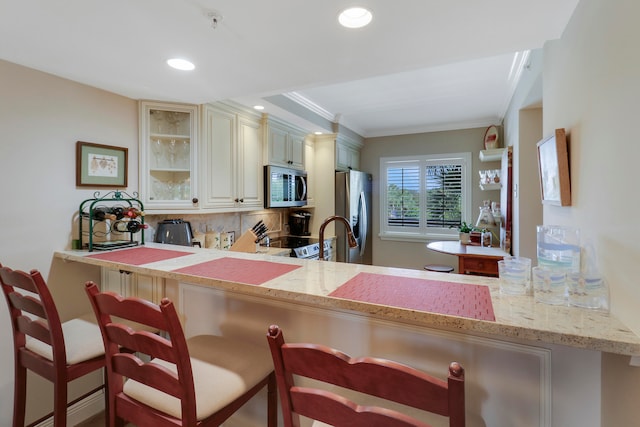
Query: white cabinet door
{"x": 130, "y": 284}
{"x": 278, "y": 140}
{"x": 232, "y": 157}
{"x": 167, "y": 156}
{"x": 296, "y": 150}
{"x": 250, "y": 189}
{"x": 218, "y": 158}
{"x": 285, "y": 144}
{"x": 347, "y": 157}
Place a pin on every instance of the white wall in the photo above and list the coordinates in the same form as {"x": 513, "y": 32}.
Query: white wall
{"x": 41, "y": 118}
{"x": 591, "y": 87}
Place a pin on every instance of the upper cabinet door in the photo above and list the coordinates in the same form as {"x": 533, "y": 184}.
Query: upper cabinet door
{"x": 232, "y": 158}
{"x": 285, "y": 144}
{"x": 219, "y": 158}
{"x": 168, "y": 152}
{"x": 250, "y": 187}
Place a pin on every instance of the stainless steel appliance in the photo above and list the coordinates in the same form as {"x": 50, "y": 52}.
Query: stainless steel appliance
{"x": 353, "y": 201}
{"x": 174, "y": 232}
{"x": 299, "y": 223}
{"x": 303, "y": 247}
{"x": 284, "y": 187}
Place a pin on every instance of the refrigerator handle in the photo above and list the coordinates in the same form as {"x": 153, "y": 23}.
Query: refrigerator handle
{"x": 364, "y": 226}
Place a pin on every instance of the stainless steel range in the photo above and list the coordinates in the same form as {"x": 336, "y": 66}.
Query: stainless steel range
{"x": 312, "y": 251}
{"x": 303, "y": 247}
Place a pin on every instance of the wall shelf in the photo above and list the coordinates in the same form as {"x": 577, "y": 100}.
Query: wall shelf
{"x": 492, "y": 155}
{"x": 487, "y": 187}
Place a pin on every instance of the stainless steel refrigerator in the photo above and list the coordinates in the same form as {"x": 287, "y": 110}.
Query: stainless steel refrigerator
{"x": 353, "y": 201}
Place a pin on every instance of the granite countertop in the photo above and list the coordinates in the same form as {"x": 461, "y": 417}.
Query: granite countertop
{"x": 311, "y": 282}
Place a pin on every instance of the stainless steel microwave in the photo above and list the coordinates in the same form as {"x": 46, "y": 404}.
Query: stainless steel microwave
{"x": 284, "y": 187}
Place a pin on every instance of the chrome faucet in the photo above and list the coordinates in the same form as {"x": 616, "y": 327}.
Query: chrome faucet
{"x": 350, "y": 238}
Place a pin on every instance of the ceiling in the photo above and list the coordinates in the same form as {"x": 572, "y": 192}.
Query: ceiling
{"x": 421, "y": 65}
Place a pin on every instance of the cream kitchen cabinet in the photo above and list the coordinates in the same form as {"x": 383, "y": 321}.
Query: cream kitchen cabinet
{"x": 285, "y": 144}
{"x": 129, "y": 284}
{"x": 347, "y": 154}
{"x": 232, "y": 156}
{"x": 167, "y": 156}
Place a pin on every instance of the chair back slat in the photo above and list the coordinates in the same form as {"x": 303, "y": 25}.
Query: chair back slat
{"x": 378, "y": 377}
{"x": 27, "y": 303}
{"x": 333, "y": 409}
{"x": 37, "y": 329}
{"x": 20, "y": 279}
{"x": 153, "y": 375}
{"x": 132, "y": 309}
{"x": 144, "y": 342}
{"x": 382, "y": 378}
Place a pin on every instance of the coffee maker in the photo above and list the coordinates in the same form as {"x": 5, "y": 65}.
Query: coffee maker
{"x": 299, "y": 223}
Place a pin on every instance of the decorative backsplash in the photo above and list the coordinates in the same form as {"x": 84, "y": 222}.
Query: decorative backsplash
{"x": 235, "y": 221}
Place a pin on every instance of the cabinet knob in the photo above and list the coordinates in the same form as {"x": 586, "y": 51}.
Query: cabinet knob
{"x": 239, "y": 200}
{"x": 194, "y": 200}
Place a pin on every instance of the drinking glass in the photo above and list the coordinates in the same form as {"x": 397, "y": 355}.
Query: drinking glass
{"x": 173, "y": 149}
{"x": 588, "y": 291}
{"x": 185, "y": 151}
{"x": 158, "y": 149}
{"x": 514, "y": 276}
{"x": 549, "y": 286}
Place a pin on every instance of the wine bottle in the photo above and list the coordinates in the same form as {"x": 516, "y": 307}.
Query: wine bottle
{"x": 100, "y": 214}
{"x": 128, "y": 226}
{"x": 118, "y": 211}
{"x": 135, "y": 226}
{"x": 132, "y": 212}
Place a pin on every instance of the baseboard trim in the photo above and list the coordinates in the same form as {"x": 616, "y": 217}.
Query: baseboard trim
{"x": 80, "y": 411}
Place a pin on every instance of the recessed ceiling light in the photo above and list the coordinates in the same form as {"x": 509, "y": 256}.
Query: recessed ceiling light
{"x": 355, "y": 17}
{"x": 258, "y": 107}
{"x": 318, "y": 132}
{"x": 181, "y": 64}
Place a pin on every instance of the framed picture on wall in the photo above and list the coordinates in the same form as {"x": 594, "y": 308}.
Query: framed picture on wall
{"x": 100, "y": 165}
{"x": 553, "y": 166}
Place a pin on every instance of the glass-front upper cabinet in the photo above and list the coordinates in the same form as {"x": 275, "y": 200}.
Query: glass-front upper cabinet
{"x": 168, "y": 145}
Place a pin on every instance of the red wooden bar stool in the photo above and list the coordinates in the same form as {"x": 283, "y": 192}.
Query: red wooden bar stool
{"x": 201, "y": 381}
{"x": 59, "y": 352}
{"x": 389, "y": 381}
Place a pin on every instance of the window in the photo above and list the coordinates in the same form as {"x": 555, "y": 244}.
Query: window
{"x": 423, "y": 197}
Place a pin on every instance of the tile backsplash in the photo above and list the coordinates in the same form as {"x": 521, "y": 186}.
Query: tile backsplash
{"x": 238, "y": 222}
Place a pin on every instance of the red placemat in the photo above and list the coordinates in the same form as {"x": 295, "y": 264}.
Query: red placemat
{"x": 239, "y": 270}
{"x": 139, "y": 256}
{"x": 457, "y": 299}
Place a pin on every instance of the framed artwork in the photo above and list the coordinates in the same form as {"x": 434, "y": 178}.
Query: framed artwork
{"x": 100, "y": 165}
{"x": 553, "y": 165}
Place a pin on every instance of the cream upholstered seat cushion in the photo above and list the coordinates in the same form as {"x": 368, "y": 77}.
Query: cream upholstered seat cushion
{"x": 223, "y": 369}
{"x": 82, "y": 341}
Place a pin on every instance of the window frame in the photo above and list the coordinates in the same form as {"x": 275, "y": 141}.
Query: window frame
{"x": 422, "y": 232}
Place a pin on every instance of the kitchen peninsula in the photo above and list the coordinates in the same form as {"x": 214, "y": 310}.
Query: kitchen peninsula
{"x": 515, "y": 351}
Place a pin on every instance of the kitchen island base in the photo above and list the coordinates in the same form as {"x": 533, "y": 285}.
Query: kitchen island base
{"x": 507, "y": 383}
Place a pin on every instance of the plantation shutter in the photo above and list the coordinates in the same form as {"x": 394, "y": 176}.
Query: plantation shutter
{"x": 403, "y": 195}
{"x": 424, "y": 196}
{"x": 444, "y": 186}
